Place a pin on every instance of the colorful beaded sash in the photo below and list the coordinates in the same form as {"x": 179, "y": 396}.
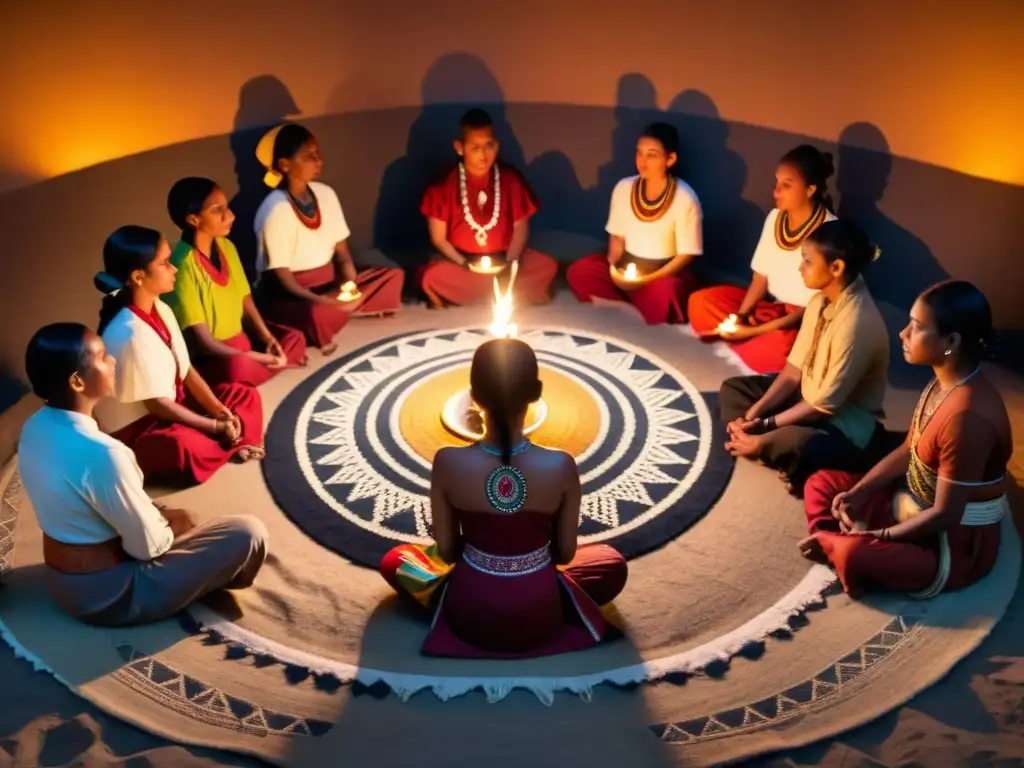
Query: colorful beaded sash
{"x": 506, "y": 565}
{"x": 790, "y": 240}
{"x": 651, "y": 210}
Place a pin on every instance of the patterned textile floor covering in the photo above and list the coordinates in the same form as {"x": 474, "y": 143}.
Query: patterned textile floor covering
{"x": 743, "y": 647}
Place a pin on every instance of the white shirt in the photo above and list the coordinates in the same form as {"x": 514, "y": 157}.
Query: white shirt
{"x": 282, "y": 241}
{"x": 86, "y": 487}
{"x": 146, "y": 367}
{"x": 781, "y": 267}
{"x": 678, "y": 232}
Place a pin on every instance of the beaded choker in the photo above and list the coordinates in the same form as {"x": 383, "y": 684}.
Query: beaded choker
{"x": 308, "y": 213}
{"x": 651, "y": 210}
{"x": 218, "y": 272}
{"x": 789, "y": 240}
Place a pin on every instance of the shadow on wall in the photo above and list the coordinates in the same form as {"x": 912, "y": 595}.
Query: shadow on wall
{"x": 263, "y": 102}
{"x": 452, "y": 84}
{"x": 948, "y": 222}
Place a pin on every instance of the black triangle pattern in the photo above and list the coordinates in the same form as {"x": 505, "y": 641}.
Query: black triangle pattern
{"x": 205, "y": 703}
{"x": 792, "y": 701}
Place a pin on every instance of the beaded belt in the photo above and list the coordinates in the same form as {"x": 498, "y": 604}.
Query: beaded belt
{"x": 506, "y": 565}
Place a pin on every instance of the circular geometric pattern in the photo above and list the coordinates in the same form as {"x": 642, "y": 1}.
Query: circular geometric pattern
{"x": 506, "y": 489}
{"x": 350, "y": 465}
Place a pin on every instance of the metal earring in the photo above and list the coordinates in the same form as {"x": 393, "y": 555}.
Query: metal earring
{"x": 948, "y": 352}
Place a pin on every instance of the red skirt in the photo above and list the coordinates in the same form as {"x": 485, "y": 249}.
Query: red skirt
{"x": 864, "y": 563}
{"x": 662, "y": 301}
{"x": 242, "y": 369}
{"x": 320, "y": 323}
{"x": 172, "y": 454}
{"x": 766, "y": 353}
{"x": 481, "y": 616}
{"x": 448, "y": 284}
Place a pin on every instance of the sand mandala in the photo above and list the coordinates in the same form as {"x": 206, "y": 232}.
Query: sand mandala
{"x": 350, "y": 450}
{"x": 281, "y": 677}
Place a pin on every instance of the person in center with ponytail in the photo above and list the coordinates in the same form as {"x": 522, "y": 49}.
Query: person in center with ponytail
{"x": 764, "y": 318}
{"x": 308, "y": 278}
{"x": 504, "y": 577}
{"x": 212, "y": 300}
{"x": 180, "y": 430}
{"x": 823, "y": 410}
{"x": 926, "y": 518}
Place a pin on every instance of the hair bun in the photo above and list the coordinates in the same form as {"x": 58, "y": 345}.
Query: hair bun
{"x": 107, "y": 283}
{"x": 828, "y": 166}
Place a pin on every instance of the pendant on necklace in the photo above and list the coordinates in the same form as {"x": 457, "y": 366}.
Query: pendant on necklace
{"x": 481, "y": 199}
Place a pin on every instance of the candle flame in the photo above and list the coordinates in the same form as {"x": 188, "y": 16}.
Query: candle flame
{"x": 503, "y": 327}
{"x": 485, "y": 262}
{"x": 631, "y": 271}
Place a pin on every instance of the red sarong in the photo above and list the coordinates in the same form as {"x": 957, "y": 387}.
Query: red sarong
{"x": 766, "y": 353}
{"x": 864, "y": 563}
{"x": 544, "y": 613}
{"x": 662, "y": 301}
{"x": 381, "y": 288}
{"x": 448, "y": 284}
{"x": 173, "y": 454}
{"x": 242, "y": 369}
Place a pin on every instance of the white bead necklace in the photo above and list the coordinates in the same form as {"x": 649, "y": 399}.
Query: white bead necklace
{"x": 481, "y": 231}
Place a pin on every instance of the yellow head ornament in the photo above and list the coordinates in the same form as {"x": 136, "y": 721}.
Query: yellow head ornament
{"x": 265, "y": 154}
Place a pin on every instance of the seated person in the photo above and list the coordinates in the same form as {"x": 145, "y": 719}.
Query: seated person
{"x": 769, "y": 311}
{"x": 823, "y": 410}
{"x": 505, "y": 521}
{"x": 212, "y": 300}
{"x": 482, "y": 207}
{"x": 308, "y": 279}
{"x": 655, "y": 224}
{"x": 926, "y": 518}
{"x": 113, "y": 557}
{"x": 181, "y": 430}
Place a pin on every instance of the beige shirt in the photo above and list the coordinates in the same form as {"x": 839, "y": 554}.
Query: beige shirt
{"x": 844, "y": 373}
{"x": 86, "y": 487}
{"x": 679, "y": 232}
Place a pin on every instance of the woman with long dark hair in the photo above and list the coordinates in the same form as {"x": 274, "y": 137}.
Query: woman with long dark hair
{"x": 181, "y": 430}
{"x": 113, "y": 557}
{"x": 926, "y": 518}
{"x": 505, "y": 518}
{"x": 765, "y": 316}
{"x": 226, "y": 334}
{"x": 308, "y": 277}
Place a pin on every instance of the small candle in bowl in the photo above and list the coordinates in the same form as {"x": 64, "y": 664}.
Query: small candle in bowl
{"x": 485, "y": 263}
{"x": 349, "y": 291}
{"x": 631, "y": 271}
{"x": 729, "y": 325}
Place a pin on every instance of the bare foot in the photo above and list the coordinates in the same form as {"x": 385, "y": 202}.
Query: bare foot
{"x": 251, "y": 453}
{"x": 328, "y": 349}
{"x": 304, "y": 361}
{"x": 811, "y": 549}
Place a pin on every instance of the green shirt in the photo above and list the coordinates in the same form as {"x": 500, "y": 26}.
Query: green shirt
{"x": 197, "y": 298}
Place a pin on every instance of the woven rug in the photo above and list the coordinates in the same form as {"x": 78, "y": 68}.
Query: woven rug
{"x": 350, "y": 449}
{"x": 734, "y": 646}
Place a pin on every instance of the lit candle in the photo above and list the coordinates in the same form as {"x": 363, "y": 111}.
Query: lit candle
{"x": 729, "y": 325}
{"x": 631, "y": 271}
{"x": 485, "y": 263}
{"x": 348, "y": 291}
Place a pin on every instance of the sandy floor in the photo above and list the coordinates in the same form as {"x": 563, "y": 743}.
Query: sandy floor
{"x": 974, "y": 717}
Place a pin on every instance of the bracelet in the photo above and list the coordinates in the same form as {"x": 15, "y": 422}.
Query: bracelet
{"x": 768, "y": 423}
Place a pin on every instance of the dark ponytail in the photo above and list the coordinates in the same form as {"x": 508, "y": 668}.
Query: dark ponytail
{"x": 187, "y": 198}
{"x": 504, "y": 381}
{"x": 960, "y": 307}
{"x": 128, "y": 250}
{"x": 815, "y": 168}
